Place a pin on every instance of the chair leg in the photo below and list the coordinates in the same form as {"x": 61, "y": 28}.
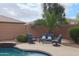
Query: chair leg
{"x": 43, "y": 41}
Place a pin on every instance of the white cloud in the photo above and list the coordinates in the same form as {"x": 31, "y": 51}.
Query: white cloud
{"x": 22, "y": 11}
{"x": 12, "y": 13}
{"x": 5, "y": 8}
{"x": 22, "y": 6}
{"x": 8, "y": 11}
{"x": 66, "y": 6}
{"x": 73, "y": 17}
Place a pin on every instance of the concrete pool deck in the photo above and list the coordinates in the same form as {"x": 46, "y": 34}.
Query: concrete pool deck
{"x": 55, "y": 51}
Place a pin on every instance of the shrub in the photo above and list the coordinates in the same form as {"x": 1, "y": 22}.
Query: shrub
{"x": 74, "y": 34}
{"x": 21, "y": 38}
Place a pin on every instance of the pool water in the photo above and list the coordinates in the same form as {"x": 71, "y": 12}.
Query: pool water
{"x": 19, "y": 52}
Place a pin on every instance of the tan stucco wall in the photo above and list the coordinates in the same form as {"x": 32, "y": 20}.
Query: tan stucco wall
{"x": 9, "y": 31}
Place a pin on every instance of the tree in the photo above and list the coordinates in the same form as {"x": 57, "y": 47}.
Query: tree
{"x": 48, "y": 20}
{"x": 53, "y": 14}
{"x": 40, "y": 22}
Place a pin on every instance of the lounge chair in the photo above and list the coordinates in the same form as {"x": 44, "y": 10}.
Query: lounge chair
{"x": 57, "y": 40}
{"x": 43, "y": 37}
{"x": 30, "y": 38}
{"x": 49, "y": 37}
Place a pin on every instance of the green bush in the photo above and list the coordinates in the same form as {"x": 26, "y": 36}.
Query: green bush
{"x": 74, "y": 34}
{"x": 21, "y": 38}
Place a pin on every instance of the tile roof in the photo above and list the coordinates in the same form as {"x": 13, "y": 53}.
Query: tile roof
{"x": 9, "y": 20}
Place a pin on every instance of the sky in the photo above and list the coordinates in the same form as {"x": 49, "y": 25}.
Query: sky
{"x": 32, "y": 11}
{"x": 21, "y": 11}
{"x": 72, "y": 10}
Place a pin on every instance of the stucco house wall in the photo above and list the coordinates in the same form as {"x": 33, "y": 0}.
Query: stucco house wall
{"x": 10, "y": 29}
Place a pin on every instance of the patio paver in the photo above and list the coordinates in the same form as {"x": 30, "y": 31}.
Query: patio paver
{"x": 56, "y": 51}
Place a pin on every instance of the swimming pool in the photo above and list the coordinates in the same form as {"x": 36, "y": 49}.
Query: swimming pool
{"x": 20, "y": 52}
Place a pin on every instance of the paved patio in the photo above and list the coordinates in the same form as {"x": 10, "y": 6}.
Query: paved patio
{"x": 56, "y": 51}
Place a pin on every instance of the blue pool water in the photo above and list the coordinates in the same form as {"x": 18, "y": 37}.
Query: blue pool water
{"x": 19, "y": 52}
